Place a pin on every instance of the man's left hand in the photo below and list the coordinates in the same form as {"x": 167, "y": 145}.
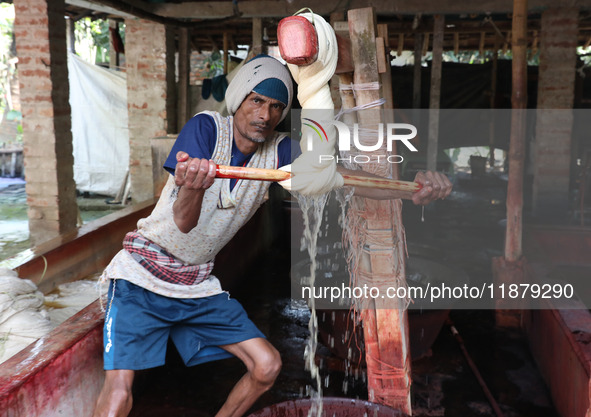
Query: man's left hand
{"x": 435, "y": 186}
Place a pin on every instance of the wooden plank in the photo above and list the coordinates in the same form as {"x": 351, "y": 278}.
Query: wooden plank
{"x": 387, "y": 93}
{"x": 435, "y": 96}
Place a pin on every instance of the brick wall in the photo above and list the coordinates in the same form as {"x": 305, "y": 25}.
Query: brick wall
{"x": 552, "y": 146}
{"x": 147, "y": 98}
{"x": 40, "y": 32}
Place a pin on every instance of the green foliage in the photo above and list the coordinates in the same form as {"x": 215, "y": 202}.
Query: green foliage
{"x": 93, "y": 39}
{"x": 8, "y": 61}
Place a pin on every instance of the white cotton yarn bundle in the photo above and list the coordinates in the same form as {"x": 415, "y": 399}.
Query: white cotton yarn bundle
{"x": 71, "y": 297}
{"x": 22, "y": 318}
{"x": 311, "y": 176}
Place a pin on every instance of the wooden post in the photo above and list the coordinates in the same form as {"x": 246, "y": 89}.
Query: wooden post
{"x": 513, "y": 236}
{"x": 510, "y": 269}
{"x": 434, "y": 102}
{"x": 416, "y": 83}
{"x": 183, "y": 84}
{"x": 226, "y": 47}
{"x": 257, "y": 36}
{"x": 385, "y": 328}
{"x": 71, "y": 35}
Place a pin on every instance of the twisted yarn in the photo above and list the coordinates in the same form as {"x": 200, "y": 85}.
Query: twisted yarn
{"x": 312, "y": 176}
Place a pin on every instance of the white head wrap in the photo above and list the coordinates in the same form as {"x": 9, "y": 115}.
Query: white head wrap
{"x": 250, "y": 75}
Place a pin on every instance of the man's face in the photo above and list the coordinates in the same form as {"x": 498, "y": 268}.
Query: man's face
{"x": 257, "y": 117}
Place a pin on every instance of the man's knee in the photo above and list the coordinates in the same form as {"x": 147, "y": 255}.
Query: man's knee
{"x": 267, "y": 368}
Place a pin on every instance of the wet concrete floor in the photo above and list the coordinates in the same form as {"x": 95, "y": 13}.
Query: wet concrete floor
{"x": 467, "y": 231}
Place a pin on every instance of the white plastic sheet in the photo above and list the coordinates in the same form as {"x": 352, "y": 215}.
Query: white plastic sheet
{"x": 98, "y": 98}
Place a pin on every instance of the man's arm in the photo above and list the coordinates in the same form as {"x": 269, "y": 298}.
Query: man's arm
{"x": 193, "y": 176}
{"x": 435, "y": 186}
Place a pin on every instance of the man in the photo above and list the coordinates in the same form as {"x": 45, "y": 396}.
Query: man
{"x": 161, "y": 284}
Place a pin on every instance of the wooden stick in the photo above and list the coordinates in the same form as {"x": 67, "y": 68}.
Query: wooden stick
{"x": 260, "y": 174}
{"x": 247, "y": 173}
{"x": 381, "y": 183}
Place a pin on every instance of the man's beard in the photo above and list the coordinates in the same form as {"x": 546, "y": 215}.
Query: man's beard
{"x": 259, "y": 139}
{"x": 256, "y": 140}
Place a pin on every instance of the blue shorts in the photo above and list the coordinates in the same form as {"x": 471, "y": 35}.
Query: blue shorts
{"x": 138, "y": 323}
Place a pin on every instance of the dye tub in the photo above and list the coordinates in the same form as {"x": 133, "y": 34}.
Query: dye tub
{"x": 331, "y": 406}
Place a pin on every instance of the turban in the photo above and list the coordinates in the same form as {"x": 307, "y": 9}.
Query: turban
{"x": 264, "y": 75}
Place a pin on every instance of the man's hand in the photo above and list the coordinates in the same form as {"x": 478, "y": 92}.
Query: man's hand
{"x": 435, "y": 186}
{"x": 194, "y": 176}
{"x": 193, "y": 173}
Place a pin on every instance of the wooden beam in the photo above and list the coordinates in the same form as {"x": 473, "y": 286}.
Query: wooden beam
{"x": 129, "y": 9}
{"x": 273, "y": 8}
{"x": 435, "y": 96}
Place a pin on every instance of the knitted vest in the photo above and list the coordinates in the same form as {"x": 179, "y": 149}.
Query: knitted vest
{"x": 223, "y": 211}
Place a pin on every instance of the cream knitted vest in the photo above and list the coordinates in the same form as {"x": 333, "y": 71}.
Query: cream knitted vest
{"x": 223, "y": 212}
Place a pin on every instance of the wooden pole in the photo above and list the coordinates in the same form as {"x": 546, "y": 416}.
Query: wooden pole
{"x": 513, "y": 234}
{"x": 416, "y": 80}
{"x": 493, "y": 97}
{"x": 183, "y": 84}
{"x": 226, "y": 47}
{"x": 385, "y": 328}
{"x": 435, "y": 99}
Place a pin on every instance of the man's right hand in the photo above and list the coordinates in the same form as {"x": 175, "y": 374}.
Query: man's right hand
{"x": 194, "y": 173}
{"x": 194, "y": 176}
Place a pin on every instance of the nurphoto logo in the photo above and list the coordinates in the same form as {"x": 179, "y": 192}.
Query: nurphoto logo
{"x": 389, "y": 132}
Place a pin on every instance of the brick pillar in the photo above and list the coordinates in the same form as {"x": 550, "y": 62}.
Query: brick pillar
{"x": 148, "y": 51}
{"x": 40, "y": 31}
{"x": 554, "y": 122}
